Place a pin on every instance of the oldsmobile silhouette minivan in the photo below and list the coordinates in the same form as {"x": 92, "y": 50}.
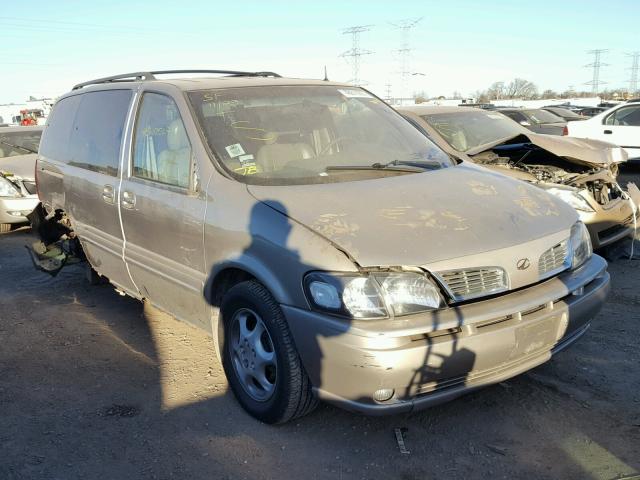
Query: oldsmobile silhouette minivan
{"x": 331, "y": 249}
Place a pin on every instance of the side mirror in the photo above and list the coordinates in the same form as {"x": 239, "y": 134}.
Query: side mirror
{"x": 524, "y": 123}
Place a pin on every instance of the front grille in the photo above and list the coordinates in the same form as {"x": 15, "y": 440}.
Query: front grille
{"x": 554, "y": 260}
{"x": 30, "y": 187}
{"x": 473, "y": 283}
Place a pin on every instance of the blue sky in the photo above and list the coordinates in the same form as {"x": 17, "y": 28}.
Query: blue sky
{"x": 460, "y": 46}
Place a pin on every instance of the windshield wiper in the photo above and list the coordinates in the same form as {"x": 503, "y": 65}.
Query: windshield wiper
{"x": 391, "y": 166}
{"x": 407, "y": 163}
{"x": 4, "y": 142}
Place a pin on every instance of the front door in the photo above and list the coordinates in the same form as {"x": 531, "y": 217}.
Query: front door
{"x": 162, "y": 212}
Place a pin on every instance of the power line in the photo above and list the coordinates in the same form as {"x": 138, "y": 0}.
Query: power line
{"x": 633, "y": 80}
{"x": 356, "y": 52}
{"x": 595, "y": 81}
{"x": 404, "y": 52}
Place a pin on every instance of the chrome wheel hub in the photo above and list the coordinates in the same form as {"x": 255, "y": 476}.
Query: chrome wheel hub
{"x": 253, "y": 355}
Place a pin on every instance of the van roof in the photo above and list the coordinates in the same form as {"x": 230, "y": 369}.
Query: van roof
{"x": 213, "y": 79}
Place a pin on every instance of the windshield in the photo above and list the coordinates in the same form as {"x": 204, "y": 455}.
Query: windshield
{"x": 280, "y": 135}
{"x": 563, "y": 112}
{"x": 542, "y": 116}
{"x": 471, "y": 128}
{"x": 19, "y": 143}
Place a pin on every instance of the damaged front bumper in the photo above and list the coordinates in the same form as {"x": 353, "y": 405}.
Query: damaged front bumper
{"x": 15, "y": 210}
{"x": 421, "y": 360}
{"x": 610, "y": 223}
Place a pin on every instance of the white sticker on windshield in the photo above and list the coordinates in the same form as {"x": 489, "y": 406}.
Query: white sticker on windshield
{"x": 493, "y": 115}
{"x": 245, "y": 159}
{"x": 235, "y": 150}
{"x": 354, "y": 93}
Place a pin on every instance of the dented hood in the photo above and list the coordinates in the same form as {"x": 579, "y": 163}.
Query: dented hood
{"x": 580, "y": 151}
{"x": 416, "y": 219}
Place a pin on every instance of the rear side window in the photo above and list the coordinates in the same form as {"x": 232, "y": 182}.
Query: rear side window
{"x": 97, "y": 132}
{"x": 55, "y": 139}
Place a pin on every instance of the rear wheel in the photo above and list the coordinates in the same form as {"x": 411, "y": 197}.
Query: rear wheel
{"x": 259, "y": 357}
{"x": 5, "y": 227}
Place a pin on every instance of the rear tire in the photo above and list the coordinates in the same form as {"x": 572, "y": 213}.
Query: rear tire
{"x": 259, "y": 357}
{"x": 5, "y": 227}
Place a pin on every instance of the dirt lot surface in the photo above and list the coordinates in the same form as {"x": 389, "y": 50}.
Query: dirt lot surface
{"x": 95, "y": 385}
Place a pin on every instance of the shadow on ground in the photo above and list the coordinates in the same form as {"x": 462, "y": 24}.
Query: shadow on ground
{"x": 95, "y": 385}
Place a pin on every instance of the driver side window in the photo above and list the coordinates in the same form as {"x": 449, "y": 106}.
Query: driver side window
{"x": 162, "y": 151}
{"x": 626, "y": 116}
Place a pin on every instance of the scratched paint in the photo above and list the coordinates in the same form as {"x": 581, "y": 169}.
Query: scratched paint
{"x": 536, "y": 204}
{"x": 482, "y": 189}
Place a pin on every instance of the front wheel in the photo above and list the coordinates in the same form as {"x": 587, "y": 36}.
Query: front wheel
{"x": 259, "y": 357}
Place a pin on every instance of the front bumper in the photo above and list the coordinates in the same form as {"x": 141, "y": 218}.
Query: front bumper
{"x": 609, "y": 225}
{"x": 15, "y": 210}
{"x": 431, "y": 358}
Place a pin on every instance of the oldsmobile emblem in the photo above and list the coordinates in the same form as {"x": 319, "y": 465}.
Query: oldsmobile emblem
{"x": 523, "y": 264}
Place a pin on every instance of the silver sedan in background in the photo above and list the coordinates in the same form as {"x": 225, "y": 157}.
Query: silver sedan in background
{"x": 18, "y": 195}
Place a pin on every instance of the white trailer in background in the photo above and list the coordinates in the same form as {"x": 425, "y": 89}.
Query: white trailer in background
{"x": 10, "y": 113}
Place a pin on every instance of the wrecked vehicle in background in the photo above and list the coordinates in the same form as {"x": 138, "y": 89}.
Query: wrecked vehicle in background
{"x": 18, "y": 149}
{"x": 536, "y": 120}
{"x": 580, "y": 172}
{"x": 330, "y": 248}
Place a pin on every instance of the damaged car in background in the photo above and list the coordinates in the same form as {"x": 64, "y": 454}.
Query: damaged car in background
{"x": 581, "y": 172}
{"x": 18, "y": 149}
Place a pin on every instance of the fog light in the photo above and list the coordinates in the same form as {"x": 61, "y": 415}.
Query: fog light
{"x": 578, "y": 291}
{"x": 383, "y": 394}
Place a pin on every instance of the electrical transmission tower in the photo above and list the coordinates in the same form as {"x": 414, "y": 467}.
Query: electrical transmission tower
{"x": 353, "y": 55}
{"x": 633, "y": 80}
{"x": 404, "y": 52}
{"x": 388, "y": 87}
{"x": 595, "y": 81}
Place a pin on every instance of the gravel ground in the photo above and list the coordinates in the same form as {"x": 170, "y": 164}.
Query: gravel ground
{"x": 95, "y": 385}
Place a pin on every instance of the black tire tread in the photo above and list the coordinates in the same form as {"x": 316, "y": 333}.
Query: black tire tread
{"x": 299, "y": 398}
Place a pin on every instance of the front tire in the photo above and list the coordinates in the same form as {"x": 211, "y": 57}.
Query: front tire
{"x": 259, "y": 357}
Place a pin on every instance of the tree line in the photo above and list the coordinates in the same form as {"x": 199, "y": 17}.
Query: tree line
{"x": 521, "y": 88}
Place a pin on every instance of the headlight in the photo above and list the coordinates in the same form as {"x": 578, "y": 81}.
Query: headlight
{"x": 573, "y": 198}
{"x": 580, "y": 243}
{"x": 374, "y": 295}
{"x": 8, "y": 189}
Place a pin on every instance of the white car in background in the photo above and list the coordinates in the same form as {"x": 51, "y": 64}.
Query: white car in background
{"x": 619, "y": 125}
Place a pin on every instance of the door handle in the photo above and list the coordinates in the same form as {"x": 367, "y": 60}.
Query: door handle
{"x": 107, "y": 194}
{"x": 128, "y": 200}
{"x": 608, "y": 132}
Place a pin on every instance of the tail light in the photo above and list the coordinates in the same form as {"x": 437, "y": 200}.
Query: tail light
{"x": 565, "y": 131}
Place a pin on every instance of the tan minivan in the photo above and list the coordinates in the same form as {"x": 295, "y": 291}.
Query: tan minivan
{"x": 331, "y": 249}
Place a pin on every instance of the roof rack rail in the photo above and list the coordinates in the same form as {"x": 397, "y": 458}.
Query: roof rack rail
{"x": 151, "y": 75}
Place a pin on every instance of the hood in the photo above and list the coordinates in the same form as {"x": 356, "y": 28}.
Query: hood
{"x": 22, "y": 166}
{"x": 416, "y": 219}
{"x": 581, "y": 151}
